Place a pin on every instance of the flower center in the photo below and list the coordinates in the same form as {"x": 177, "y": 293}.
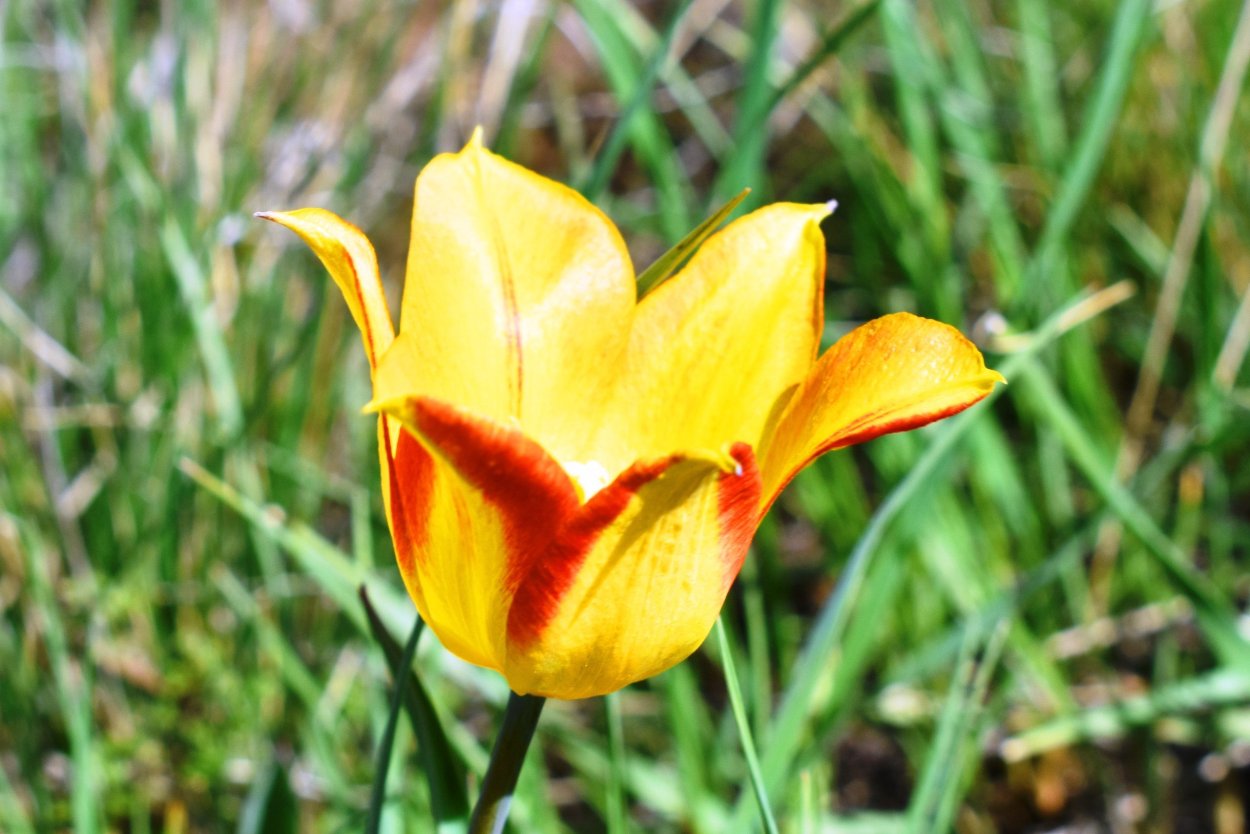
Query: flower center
{"x": 588, "y": 477}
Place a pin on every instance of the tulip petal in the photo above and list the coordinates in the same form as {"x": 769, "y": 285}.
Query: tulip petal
{"x": 517, "y": 299}
{"x": 713, "y": 349}
{"x": 895, "y": 373}
{"x": 475, "y": 505}
{"x": 349, "y": 258}
{"x": 352, "y": 263}
{"x": 634, "y": 582}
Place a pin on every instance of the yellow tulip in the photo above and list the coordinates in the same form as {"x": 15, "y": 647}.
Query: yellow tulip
{"x": 572, "y": 475}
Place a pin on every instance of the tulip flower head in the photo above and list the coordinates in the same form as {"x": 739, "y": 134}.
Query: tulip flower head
{"x": 573, "y": 476}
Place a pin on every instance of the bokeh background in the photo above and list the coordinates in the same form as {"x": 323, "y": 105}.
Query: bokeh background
{"x": 1027, "y": 619}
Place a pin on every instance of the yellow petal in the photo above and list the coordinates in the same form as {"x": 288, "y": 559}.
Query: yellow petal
{"x": 474, "y": 504}
{"x": 350, "y": 259}
{"x": 895, "y": 373}
{"x": 713, "y": 349}
{"x": 517, "y": 298}
{"x": 635, "y": 581}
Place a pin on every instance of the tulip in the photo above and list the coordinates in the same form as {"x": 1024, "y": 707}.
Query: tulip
{"x": 573, "y": 475}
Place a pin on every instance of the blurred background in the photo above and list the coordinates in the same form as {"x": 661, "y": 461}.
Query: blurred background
{"x": 1026, "y": 619}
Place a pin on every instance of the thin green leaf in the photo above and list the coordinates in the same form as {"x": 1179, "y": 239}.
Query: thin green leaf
{"x": 744, "y": 728}
{"x": 1040, "y": 95}
{"x": 668, "y": 263}
{"x": 377, "y": 796}
{"x": 193, "y": 286}
{"x": 444, "y": 770}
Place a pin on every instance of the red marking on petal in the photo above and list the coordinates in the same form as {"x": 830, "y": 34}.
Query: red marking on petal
{"x": 364, "y": 312}
{"x": 870, "y": 428}
{"x": 531, "y": 491}
{"x": 738, "y": 510}
{"x": 411, "y": 472}
{"x": 538, "y": 597}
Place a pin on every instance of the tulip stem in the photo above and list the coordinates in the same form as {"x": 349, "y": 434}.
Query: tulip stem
{"x": 519, "y": 720}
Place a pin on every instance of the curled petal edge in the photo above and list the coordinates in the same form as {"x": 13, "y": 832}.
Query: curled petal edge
{"x": 895, "y": 373}
{"x": 348, "y": 256}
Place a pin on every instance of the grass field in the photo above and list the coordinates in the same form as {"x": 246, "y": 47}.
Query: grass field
{"x": 1026, "y": 619}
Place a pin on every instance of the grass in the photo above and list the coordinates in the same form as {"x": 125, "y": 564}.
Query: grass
{"x": 1027, "y": 618}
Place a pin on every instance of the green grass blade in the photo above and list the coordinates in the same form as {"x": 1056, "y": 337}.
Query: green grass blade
{"x": 610, "y": 153}
{"x": 912, "y": 62}
{"x": 217, "y": 364}
{"x": 615, "y": 803}
{"x": 955, "y": 744}
{"x": 937, "y": 767}
{"x": 650, "y": 141}
{"x": 1213, "y": 609}
{"x": 299, "y": 680}
{"x": 12, "y": 816}
{"x": 744, "y": 169}
{"x": 1041, "y": 98}
{"x": 832, "y": 41}
{"x": 1129, "y": 30}
{"x": 687, "y": 719}
{"x": 967, "y": 114}
{"x": 73, "y": 688}
{"x": 523, "y": 83}
{"x": 791, "y": 715}
{"x": 334, "y": 571}
{"x": 744, "y": 729}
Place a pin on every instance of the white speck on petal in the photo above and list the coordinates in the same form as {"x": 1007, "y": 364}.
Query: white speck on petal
{"x": 588, "y": 477}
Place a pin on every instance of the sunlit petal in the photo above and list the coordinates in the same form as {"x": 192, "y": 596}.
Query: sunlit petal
{"x": 713, "y": 349}
{"x": 517, "y": 298}
{"x": 476, "y": 504}
{"x": 634, "y": 582}
{"x": 895, "y": 373}
{"x": 349, "y": 258}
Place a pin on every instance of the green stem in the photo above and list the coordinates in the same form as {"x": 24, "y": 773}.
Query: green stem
{"x": 519, "y": 720}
